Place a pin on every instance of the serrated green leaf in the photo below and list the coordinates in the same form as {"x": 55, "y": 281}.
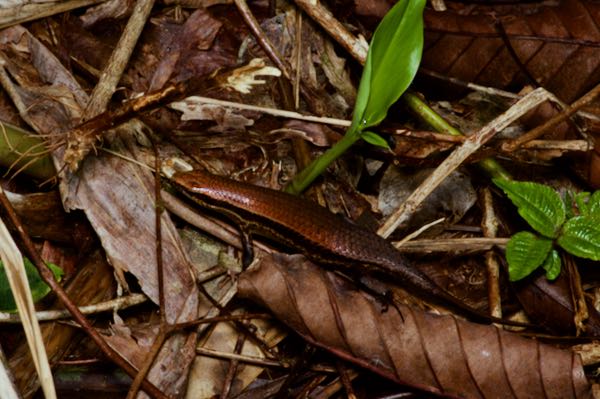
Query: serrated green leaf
{"x": 374, "y": 139}
{"x": 525, "y": 252}
{"x": 392, "y": 61}
{"x": 39, "y": 289}
{"x": 580, "y": 236}
{"x": 538, "y": 204}
{"x": 552, "y": 265}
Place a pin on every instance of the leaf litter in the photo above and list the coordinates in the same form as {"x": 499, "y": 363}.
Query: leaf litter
{"x": 48, "y": 76}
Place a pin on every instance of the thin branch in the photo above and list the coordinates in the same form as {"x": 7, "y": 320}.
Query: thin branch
{"x": 52, "y": 315}
{"x": 555, "y": 120}
{"x": 118, "y": 60}
{"x": 458, "y": 156}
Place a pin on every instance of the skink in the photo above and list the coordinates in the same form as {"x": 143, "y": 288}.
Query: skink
{"x": 302, "y": 225}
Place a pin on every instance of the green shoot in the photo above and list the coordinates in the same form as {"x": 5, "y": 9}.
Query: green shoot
{"x": 574, "y": 226}
{"x": 391, "y": 65}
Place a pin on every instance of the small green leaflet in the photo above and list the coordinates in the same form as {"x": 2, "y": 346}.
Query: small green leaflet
{"x": 538, "y": 204}
{"x": 525, "y": 252}
{"x": 374, "y": 139}
{"x": 580, "y": 236}
{"x": 552, "y": 265}
{"x": 39, "y": 289}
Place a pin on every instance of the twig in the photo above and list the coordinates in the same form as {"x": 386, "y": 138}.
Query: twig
{"x": 165, "y": 327}
{"x": 118, "y": 60}
{"x": 451, "y": 245}
{"x": 265, "y": 110}
{"x": 233, "y": 366}
{"x": 50, "y": 315}
{"x": 555, "y": 120}
{"x": 31, "y": 10}
{"x": 259, "y": 361}
{"x": 358, "y": 48}
{"x": 262, "y": 39}
{"x": 496, "y": 92}
{"x": 48, "y": 278}
{"x": 489, "y": 225}
{"x": 457, "y": 157}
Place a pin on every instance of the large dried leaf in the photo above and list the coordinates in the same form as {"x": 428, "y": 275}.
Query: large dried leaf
{"x": 557, "y": 44}
{"x": 438, "y": 354}
{"x": 550, "y": 304}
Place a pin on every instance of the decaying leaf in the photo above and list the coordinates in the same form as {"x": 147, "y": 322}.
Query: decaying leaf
{"x": 555, "y": 43}
{"x": 436, "y": 354}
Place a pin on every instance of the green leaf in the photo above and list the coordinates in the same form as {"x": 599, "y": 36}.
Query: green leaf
{"x": 580, "y": 236}
{"x": 538, "y": 204}
{"x": 525, "y": 252}
{"x": 594, "y": 205}
{"x": 374, "y": 139}
{"x": 552, "y": 265}
{"x": 392, "y": 62}
{"x": 39, "y": 289}
{"x": 582, "y": 201}
{"x": 362, "y": 97}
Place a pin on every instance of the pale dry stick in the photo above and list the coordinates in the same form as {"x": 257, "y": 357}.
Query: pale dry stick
{"x": 269, "y": 111}
{"x": 563, "y": 145}
{"x": 262, "y": 39}
{"x": 489, "y": 225}
{"x": 555, "y": 120}
{"x": 8, "y": 390}
{"x": 27, "y": 10}
{"x": 419, "y": 231}
{"x": 118, "y": 60}
{"x": 497, "y": 92}
{"x": 458, "y": 156}
{"x": 51, "y": 315}
{"x": 357, "y": 47}
{"x": 259, "y": 361}
{"x": 298, "y": 60}
{"x": 452, "y": 245}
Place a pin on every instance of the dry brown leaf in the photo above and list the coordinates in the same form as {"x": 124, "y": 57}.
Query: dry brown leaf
{"x": 436, "y": 354}
{"x": 557, "y": 44}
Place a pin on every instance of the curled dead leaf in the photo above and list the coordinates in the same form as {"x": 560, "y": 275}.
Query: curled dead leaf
{"x": 436, "y": 354}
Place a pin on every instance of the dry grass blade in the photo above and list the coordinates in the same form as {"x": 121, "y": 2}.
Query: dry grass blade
{"x": 7, "y": 387}
{"x": 15, "y": 271}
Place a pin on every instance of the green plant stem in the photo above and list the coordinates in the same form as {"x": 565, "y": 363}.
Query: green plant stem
{"x": 318, "y": 165}
{"x": 489, "y": 165}
{"x": 19, "y": 148}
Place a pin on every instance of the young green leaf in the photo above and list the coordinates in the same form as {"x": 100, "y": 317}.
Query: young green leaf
{"x": 362, "y": 98}
{"x": 39, "y": 289}
{"x": 579, "y": 199}
{"x": 525, "y": 252}
{"x": 392, "y": 61}
{"x": 552, "y": 265}
{"x": 580, "y": 236}
{"x": 374, "y": 139}
{"x": 538, "y": 204}
{"x": 594, "y": 206}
